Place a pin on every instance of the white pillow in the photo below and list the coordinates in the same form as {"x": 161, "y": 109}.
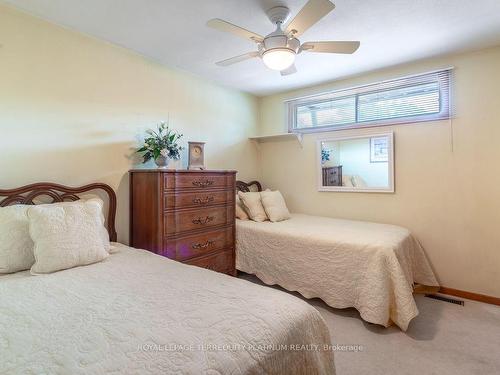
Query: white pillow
{"x": 16, "y": 246}
{"x": 358, "y": 181}
{"x": 253, "y": 205}
{"x": 240, "y": 210}
{"x": 67, "y": 236}
{"x": 275, "y": 206}
{"x": 347, "y": 180}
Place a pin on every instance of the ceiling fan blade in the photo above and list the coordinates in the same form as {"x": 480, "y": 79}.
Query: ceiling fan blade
{"x": 290, "y": 70}
{"x": 228, "y": 27}
{"x": 330, "y": 47}
{"x": 237, "y": 59}
{"x": 311, "y": 13}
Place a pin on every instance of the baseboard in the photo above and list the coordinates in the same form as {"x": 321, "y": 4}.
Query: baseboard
{"x": 469, "y": 295}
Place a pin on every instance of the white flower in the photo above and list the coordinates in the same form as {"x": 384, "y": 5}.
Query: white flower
{"x": 164, "y": 152}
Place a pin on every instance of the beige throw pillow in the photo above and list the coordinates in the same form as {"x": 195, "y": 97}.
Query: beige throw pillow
{"x": 67, "y": 236}
{"x": 347, "y": 180}
{"x": 16, "y": 246}
{"x": 240, "y": 210}
{"x": 253, "y": 206}
{"x": 275, "y": 206}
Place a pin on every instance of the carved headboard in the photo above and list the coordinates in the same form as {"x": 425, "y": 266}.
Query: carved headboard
{"x": 60, "y": 193}
{"x": 246, "y": 186}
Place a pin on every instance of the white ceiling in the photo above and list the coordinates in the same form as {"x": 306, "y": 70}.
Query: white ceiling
{"x": 173, "y": 32}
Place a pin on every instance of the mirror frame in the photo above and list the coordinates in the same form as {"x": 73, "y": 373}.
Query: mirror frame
{"x": 389, "y": 189}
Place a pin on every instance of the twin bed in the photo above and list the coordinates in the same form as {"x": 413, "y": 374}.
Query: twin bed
{"x": 137, "y": 313}
{"x": 371, "y": 267}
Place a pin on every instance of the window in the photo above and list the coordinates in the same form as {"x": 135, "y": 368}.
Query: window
{"x": 423, "y": 97}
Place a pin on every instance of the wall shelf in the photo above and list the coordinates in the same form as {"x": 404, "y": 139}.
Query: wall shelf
{"x": 278, "y": 137}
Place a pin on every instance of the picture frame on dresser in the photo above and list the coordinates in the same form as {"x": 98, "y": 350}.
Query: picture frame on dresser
{"x": 185, "y": 215}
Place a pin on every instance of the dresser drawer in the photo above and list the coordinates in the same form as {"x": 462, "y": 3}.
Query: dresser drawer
{"x": 334, "y": 180}
{"x": 172, "y": 201}
{"x": 192, "y": 246}
{"x": 201, "y": 181}
{"x": 185, "y": 220}
{"x": 221, "y": 262}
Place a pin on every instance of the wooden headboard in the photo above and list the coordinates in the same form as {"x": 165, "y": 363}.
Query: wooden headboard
{"x": 245, "y": 186}
{"x": 59, "y": 193}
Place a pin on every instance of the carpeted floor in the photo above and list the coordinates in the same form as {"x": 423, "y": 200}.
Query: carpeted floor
{"x": 444, "y": 339}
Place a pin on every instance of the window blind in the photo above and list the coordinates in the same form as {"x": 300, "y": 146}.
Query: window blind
{"x": 422, "y": 97}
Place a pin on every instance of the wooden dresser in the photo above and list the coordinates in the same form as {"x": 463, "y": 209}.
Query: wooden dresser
{"x": 332, "y": 176}
{"x": 185, "y": 215}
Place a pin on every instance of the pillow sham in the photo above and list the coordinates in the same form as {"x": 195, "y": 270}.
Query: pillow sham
{"x": 16, "y": 246}
{"x": 275, "y": 206}
{"x": 358, "y": 181}
{"x": 347, "y": 180}
{"x": 67, "y": 236}
{"x": 240, "y": 210}
{"x": 251, "y": 201}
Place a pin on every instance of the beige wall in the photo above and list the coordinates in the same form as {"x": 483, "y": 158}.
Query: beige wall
{"x": 447, "y": 173}
{"x": 72, "y": 107}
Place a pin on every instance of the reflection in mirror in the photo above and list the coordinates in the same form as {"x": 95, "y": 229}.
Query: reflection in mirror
{"x": 363, "y": 163}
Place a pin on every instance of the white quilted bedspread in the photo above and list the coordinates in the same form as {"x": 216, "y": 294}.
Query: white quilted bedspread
{"x": 369, "y": 266}
{"x": 139, "y": 313}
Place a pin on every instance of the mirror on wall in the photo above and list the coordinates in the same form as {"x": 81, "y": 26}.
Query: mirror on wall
{"x": 356, "y": 164}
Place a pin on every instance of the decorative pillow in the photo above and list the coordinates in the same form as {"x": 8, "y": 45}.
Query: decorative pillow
{"x": 16, "y": 246}
{"x": 253, "y": 205}
{"x": 358, "y": 181}
{"x": 347, "y": 180}
{"x": 275, "y": 205}
{"x": 103, "y": 231}
{"x": 240, "y": 210}
{"x": 67, "y": 236}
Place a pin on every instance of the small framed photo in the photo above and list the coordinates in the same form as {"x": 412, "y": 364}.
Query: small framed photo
{"x": 379, "y": 150}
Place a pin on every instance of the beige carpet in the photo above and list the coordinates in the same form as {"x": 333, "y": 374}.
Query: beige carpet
{"x": 444, "y": 339}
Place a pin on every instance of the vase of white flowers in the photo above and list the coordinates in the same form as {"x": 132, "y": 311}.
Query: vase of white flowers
{"x": 161, "y": 145}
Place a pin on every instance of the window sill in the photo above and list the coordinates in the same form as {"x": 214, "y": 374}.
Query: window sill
{"x": 325, "y": 129}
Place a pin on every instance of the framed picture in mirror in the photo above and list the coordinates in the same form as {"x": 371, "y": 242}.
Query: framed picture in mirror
{"x": 363, "y": 163}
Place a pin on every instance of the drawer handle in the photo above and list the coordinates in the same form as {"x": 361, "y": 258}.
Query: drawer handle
{"x": 202, "y": 245}
{"x": 205, "y": 200}
{"x": 203, "y": 221}
{"x": 203, "y": 183}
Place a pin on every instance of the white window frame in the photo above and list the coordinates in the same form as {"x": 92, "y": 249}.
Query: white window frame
{"x": 445, "y": 102}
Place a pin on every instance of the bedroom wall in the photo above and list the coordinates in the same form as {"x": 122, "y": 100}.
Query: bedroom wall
{"x": 72, "y": 108}
{"x": 447, "y": 172}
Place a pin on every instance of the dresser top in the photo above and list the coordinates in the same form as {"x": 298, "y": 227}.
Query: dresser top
{"x": 162, "y": 170}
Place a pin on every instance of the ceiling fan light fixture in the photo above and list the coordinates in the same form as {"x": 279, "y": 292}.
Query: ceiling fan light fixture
{"x": 279, "y": 58}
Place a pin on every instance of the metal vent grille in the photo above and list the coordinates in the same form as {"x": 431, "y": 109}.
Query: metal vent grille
{"x": 446, "y": 299}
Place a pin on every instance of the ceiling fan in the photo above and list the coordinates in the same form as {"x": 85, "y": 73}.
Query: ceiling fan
{"x": 279, "y": 48}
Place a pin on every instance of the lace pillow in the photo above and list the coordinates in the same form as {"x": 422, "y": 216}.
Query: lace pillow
{"x": 253, "y": 205}
{"x": 67, "y": 236}
{"x": 16, "y": 246}
{"x": 275, "y": 206}
{"x": 240, "y": 210}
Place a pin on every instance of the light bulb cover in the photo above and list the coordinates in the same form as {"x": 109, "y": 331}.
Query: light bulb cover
{"x": 279, "y": 58}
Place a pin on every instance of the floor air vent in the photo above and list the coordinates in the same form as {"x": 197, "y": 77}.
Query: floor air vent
{"x": 446, "y": 299}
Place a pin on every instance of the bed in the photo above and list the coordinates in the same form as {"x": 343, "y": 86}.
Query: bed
{"x": 140, "y": 313}
{"x": 372, "y": 267}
